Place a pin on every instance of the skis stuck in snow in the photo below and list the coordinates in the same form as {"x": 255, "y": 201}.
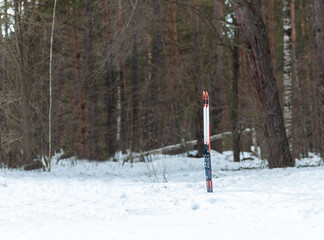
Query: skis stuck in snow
{"x": 207, "y": 160}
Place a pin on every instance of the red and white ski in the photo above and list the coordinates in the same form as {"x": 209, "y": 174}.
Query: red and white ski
{"x": 207, "y": 160}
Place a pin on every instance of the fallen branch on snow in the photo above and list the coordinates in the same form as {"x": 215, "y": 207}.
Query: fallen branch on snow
{"x": 162, "y": 150}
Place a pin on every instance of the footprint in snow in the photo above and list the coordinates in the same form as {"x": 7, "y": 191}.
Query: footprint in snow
{"x": 195, "y": 206}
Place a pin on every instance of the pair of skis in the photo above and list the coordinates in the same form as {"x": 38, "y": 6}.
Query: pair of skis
{"x": 207, "y": 160}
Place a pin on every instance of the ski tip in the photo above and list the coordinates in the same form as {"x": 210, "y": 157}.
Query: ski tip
{"x": 204, "y": 95}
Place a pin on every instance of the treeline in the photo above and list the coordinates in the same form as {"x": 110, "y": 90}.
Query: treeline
{"x": 129, "y": 76}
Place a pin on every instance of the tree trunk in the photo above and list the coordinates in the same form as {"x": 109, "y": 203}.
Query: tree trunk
{"x": 249, "y": 18}
{"x": 217, "y": 84}
{"x": 155, "y": 82}
{"x": 174, "y": 35}
{"x": 319, "y": 6}
{"x": 90, "y": 86}
{"x": 135, "y": 97}
{"x": 287, "y": 70}
{"x": 119, "y": 80}
{"x": 172, "y": 79}
{"x": 313, "y": 129}
{"x": 27, "y": 133}
{"x": 145, "y": 123}
{"x": 297, "y": 107}
{"x": 299, "y": 139}
{"x": 71, "y": 112}
{"x": 109, "y": 83}
{"x": 122, "y": 113}
{"x": 197, "y": 80}
{"x": 272, "y": 34}
{"x": 50, "y": 93}
{"x": 58, "y": 81}
{"x": 234, "y": 111}
{"x": 125, "y": 139}
{"x": 78, "y": 104}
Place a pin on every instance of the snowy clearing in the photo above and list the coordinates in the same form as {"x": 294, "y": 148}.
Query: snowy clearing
{"x": 163, "y": 199}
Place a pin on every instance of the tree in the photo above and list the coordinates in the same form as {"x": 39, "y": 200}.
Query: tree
{"x": 312, "y": 69}
{"x": 297, "y": 107}
{"x": 197, "y": 78}
{"x": 319, "y": 6}
{"x": 50, "y": 94}
{"x": 90, "y": 85}
{"x": 218, "y": 76}
{"x": 249, "y": 18}
{"x": 135, "y": 82}
{"x": 235, "y": 107}
{"x": 110, "y": 96}
{"x": 27, "y": 131}
{"x": 154, "y": 126}
{"x": 133, "y": 72}
{"x": 172, "y": 78}
{"x": 287, "y": 70}
{"x": 272, "y": 34}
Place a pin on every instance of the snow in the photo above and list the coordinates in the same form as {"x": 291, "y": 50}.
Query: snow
{"x": 3, "y": 182}
{"x": 164, "y": 199}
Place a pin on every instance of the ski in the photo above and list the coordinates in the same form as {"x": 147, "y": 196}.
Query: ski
{"x": 207, "y": 160}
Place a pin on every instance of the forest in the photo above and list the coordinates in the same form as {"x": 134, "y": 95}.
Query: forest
{"x": 103, "y": 77}
{"x": 116, "y": 115}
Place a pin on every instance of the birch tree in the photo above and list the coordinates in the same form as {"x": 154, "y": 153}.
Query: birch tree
{"x": 50, "y": 94}
{"x": 287, "y": 70}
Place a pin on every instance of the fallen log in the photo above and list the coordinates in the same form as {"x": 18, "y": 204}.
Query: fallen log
{"x": 183, "y": 145}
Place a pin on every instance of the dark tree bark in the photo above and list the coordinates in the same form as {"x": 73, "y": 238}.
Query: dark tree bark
{"x": 297, "y": 107}
{"x": 70, "y": 140}
{"x": 124, "y": 138}
{"x": 174, "y": 36}
{"x": 172, "y": 80}
{"x": 319, "y": 7}
{"x": 77, "y": 97}
{"x": 154, "y": 84}
{"x": 272, "y": 34}
{"x": 249, "y": 18}
{"x": 235, "y": 107}
{"x": 109, "y": 81}
{"x": 58, "y": 86}
{"x": 135, "y": 97}
{"x": 197, "y": 80}
{"x": 90, "y": 87}
{"x": 217, "y": 84}
{"x": 313, "y": 124}
{"x": 27, "y": 132}
{"x": 123, "y": 110}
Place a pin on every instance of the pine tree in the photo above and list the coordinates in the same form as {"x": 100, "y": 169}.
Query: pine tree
{"x": 250, "y": 21}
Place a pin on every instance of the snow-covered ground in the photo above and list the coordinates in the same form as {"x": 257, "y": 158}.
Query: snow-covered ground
{"x": 163, "y": 199}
